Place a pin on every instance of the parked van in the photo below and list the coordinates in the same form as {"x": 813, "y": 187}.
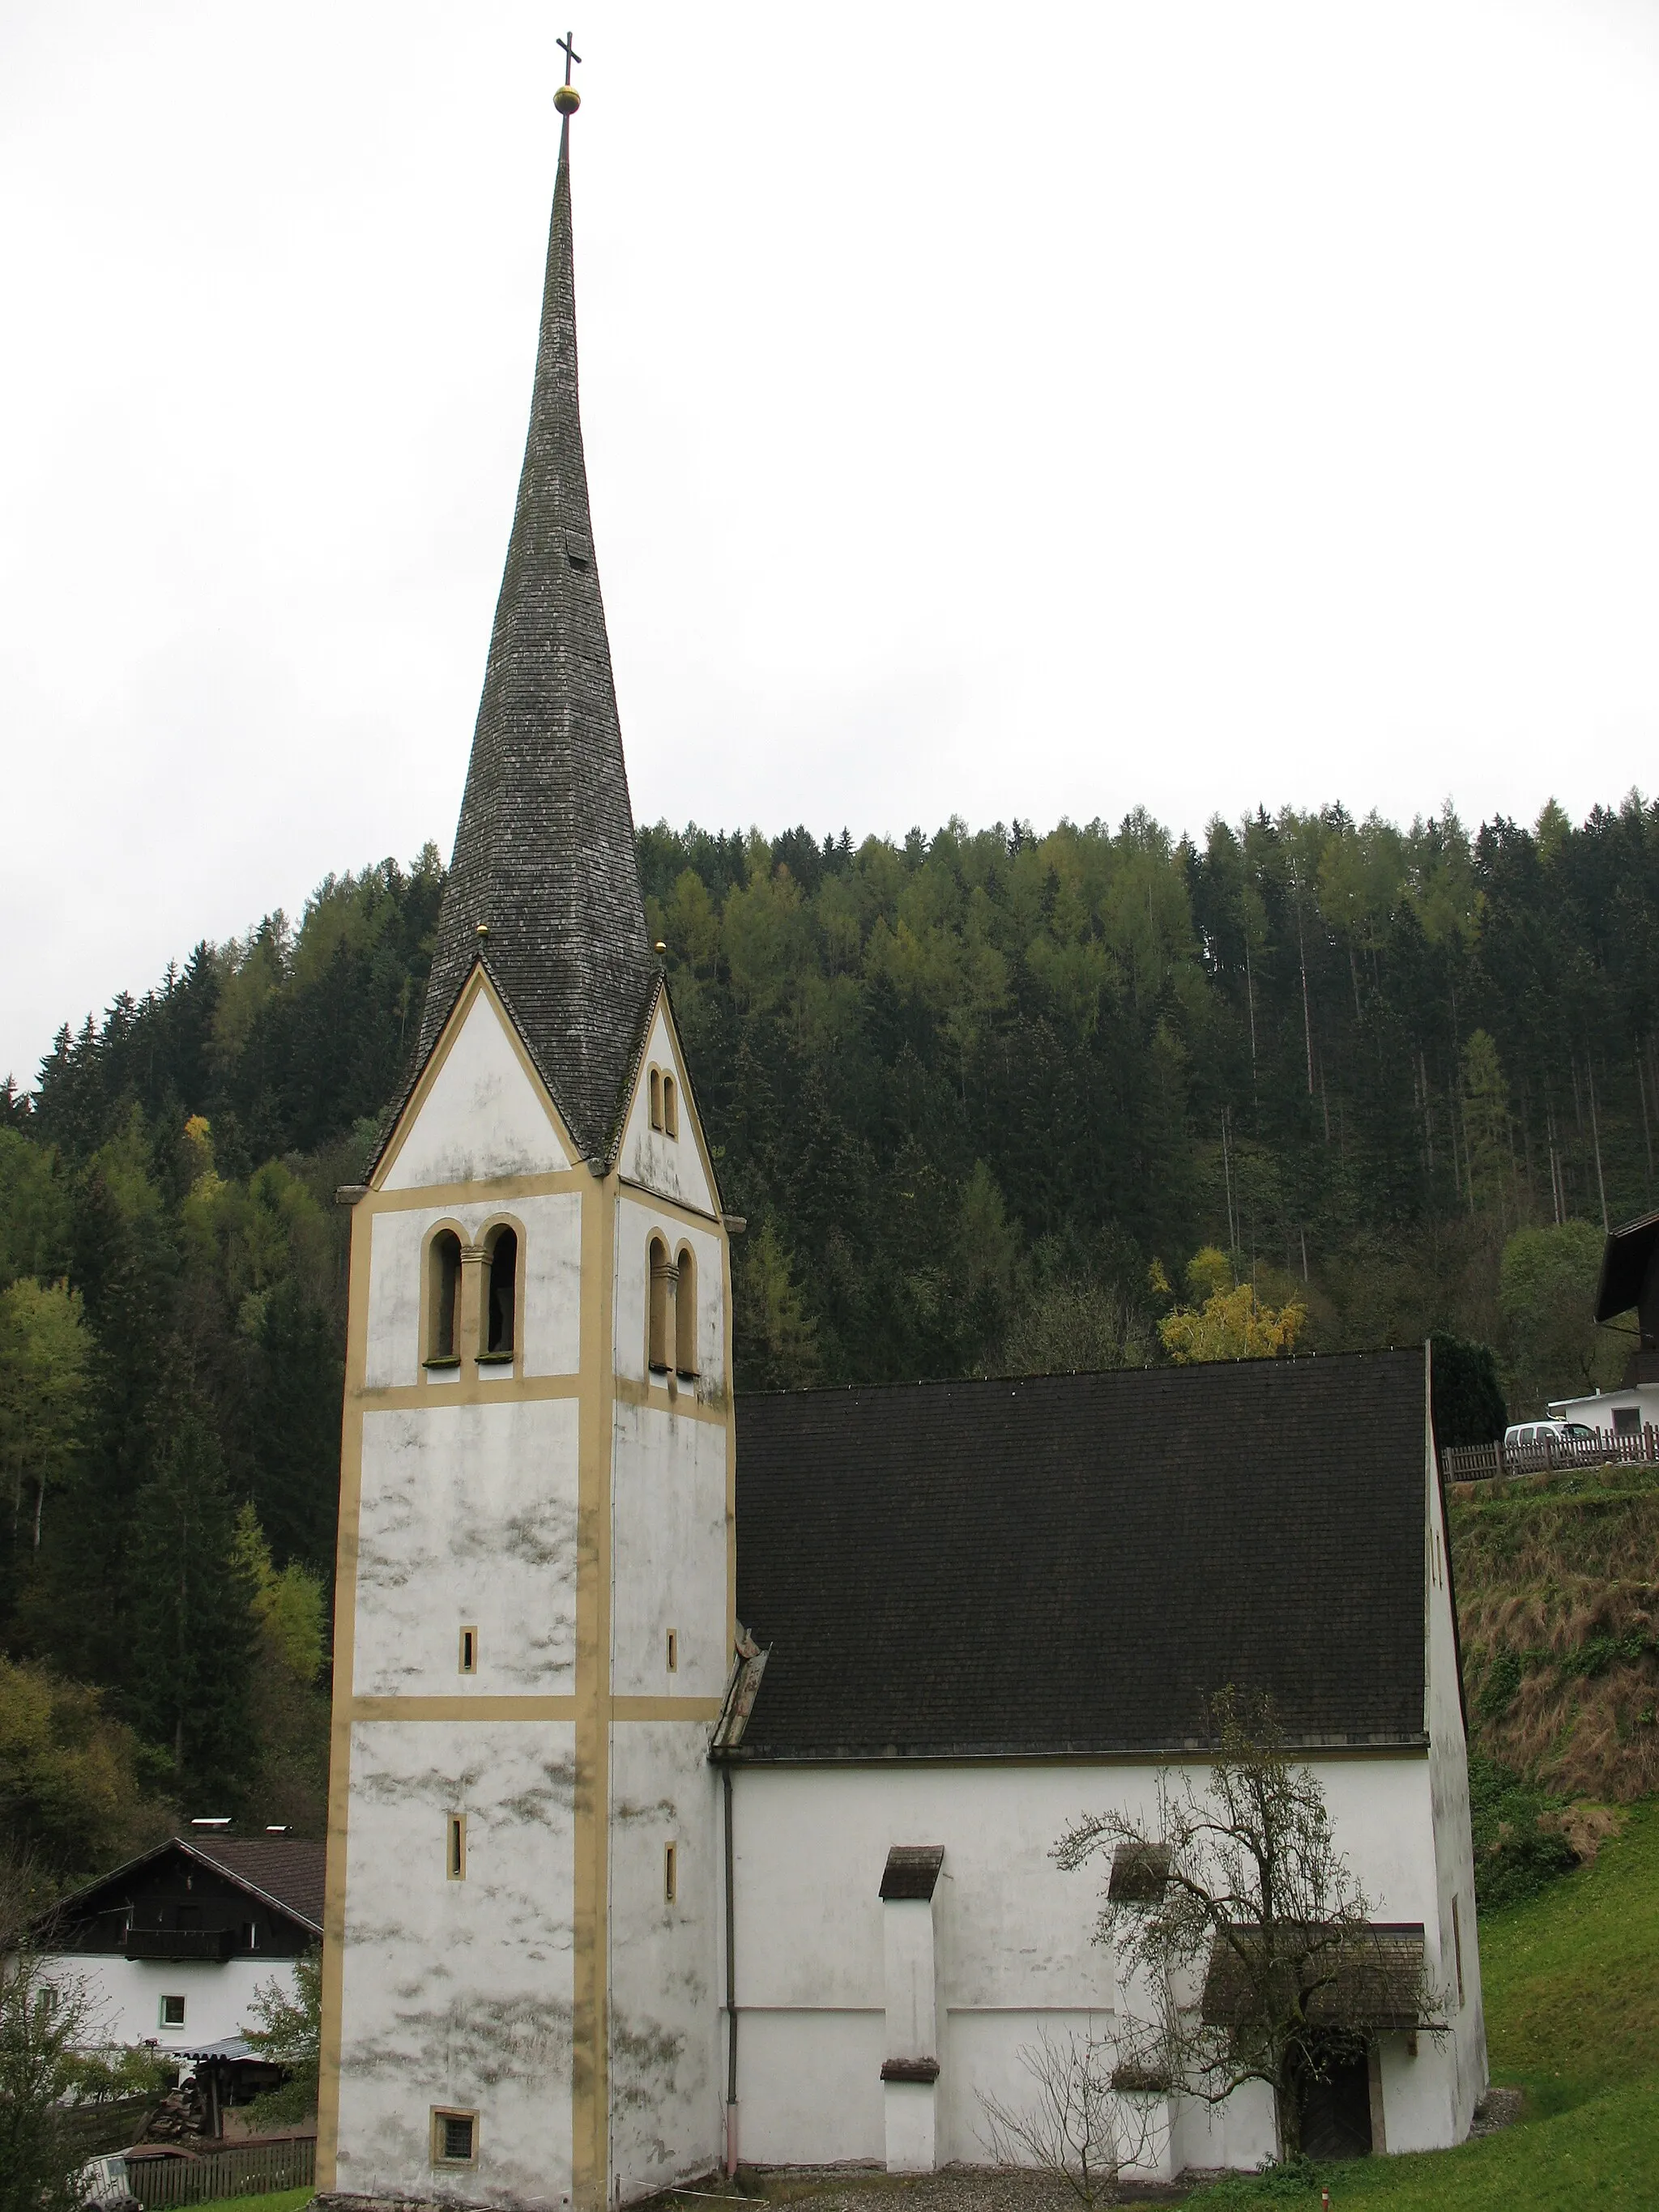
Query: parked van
{"x": 1543, "y": 1434}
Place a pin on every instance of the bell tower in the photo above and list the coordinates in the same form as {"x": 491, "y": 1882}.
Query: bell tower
{"x": 535, "y": 1589}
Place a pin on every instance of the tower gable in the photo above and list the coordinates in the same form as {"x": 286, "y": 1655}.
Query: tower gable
{"x": 673, "y": 1161}
{"x": 478, "y": 1113}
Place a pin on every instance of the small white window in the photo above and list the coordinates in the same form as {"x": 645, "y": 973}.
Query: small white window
{"x": 173, "y": 2012}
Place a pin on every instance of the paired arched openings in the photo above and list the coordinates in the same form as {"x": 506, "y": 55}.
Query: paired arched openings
{"x": 473, "y": 1293}
{"x": 671, "y": 1327}
{"x": 665, "y": 1102}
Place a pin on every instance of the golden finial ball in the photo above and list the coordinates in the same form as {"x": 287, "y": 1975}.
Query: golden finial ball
{"x": 566, "y": 99}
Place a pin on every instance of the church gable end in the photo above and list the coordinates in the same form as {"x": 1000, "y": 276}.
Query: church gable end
{"x": 661, "y": 1147}
{"x": 479, "y": 1114}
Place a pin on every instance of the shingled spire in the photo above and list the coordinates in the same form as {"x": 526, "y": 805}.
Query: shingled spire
{"x": 544, "y": 884}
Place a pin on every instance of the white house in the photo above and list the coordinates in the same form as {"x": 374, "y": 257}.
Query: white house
{"x": 1630, "y": 1283}
{"x": 171, "y": 1947}
{"x": 611, "y": 1898}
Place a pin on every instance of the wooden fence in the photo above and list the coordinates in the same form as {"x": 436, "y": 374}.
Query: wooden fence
{"x": 247, "y": 2169}
{"x": 1492, "y": 1463}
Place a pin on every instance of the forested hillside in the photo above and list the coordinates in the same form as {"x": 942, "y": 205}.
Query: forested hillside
{"x": 988, "y": 1100}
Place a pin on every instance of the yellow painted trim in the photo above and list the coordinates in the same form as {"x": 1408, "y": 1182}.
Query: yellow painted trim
{"x": 666, "y": 1709}
{"x": 481, "y": 1708}
{"x": 469, "y": 1389}
{"x": 503, "y": 1191}
{"x": 655, "y": 1398}
{"x": 589, "y": 2131}
{"x": 340, "y": 1764}
{"x": 731, "y": 1456}
{"x": 476, "y": 986}
{"x": 639, "y": 1192}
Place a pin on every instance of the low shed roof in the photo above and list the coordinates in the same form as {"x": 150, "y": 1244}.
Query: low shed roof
{"x": 1074, "y": 1563}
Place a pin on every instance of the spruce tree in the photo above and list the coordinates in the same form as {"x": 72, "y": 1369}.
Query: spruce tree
{"x": 188, "y": 1614}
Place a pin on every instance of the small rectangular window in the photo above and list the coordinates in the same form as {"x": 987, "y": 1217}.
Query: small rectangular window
{"x": 673, "y": 1650}
{"x": 1627, "y": 1420}
{"x": 454, "y": 2137}
{"x": 469, "y": 1651}
{"x": 1457, "y": 1946}
{"x": 173, "y": 2012}
{"x": 455, "y": 1848}
{"x": 670, "y": 1873}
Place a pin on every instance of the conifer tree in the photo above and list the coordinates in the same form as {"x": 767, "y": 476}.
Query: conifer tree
{"x": 189, "y": 1597}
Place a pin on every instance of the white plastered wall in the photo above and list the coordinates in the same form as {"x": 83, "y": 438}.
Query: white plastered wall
{"x": 672, "y": 1165}
{"x": 1435, "y": 2105}
{"x": 550, "y": 1329}
{"x": 1014, "y": 1954}
{"x": 125, "y": 1995}
{"x": 668, "y": 1539}
{"x": 481, "y": 1118}
{"x": 664, "y": 2019}
{"x": 459, "y": 1993}
{"x": 468, "y": 1518}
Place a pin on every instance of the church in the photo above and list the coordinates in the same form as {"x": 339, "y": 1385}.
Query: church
{"x": 696, "y": 1766}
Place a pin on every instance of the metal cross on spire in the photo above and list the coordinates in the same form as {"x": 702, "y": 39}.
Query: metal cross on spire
{"x": 567, "y": 99}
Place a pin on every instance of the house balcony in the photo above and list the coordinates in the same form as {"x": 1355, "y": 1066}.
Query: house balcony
{"x": 212, "y": 1945}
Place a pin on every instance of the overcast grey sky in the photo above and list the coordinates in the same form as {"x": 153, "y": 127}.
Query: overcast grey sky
{"x": 1044, "y": 410}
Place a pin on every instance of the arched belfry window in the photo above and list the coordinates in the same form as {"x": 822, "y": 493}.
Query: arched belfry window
{"x": 443, "y": 1297}
{"x": 685, "y": 1315}
{"x": 670, "y": 1107}
{"x": 656, "y": 1098}
{"x": 658, "y": 1298}
{"x": 500, "y": 1317}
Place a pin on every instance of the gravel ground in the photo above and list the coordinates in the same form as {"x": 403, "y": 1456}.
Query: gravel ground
{"x": 869, "y": 2189}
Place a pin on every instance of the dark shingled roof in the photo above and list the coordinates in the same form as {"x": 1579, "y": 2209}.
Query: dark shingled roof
{"x": 287, "y": 1869}
{"x": 1073, "y": 1563}
{"x": 544, "y": 853}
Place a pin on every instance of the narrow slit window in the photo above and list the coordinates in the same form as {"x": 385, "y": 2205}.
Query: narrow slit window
{"x": 661, "y": 1285}
{"x": 501, "y": 1317}
{"x": 1457, "y": 1946}
{"x": 670, "y": 1107}
{"x": 455, "y": 2138}
{"x": 673, "y": 1650}
{"x": 670, "y": 1873}
{"x": 685, "y": 1315}
{"x": 455, "y": 1848}
{"x": 443, "y": 1297}
{"x": 656, "y": 1099}
{"x": 469, "y": 1651}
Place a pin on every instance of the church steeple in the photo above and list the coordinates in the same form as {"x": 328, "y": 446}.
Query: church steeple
{"x": 545, "y": 884}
